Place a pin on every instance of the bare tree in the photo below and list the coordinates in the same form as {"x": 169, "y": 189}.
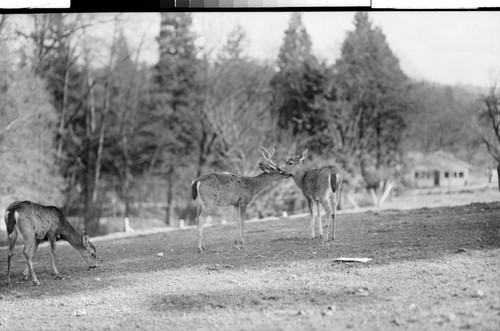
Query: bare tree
{"x": 487, "y": 124}
{"x": 235, "y": 103}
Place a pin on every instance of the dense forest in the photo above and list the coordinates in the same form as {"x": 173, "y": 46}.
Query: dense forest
{"x": 85, "y": 125}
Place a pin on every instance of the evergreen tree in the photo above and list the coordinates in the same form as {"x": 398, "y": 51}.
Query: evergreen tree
{"x": 234, "y": 48}
{"x": 297, "y": 45}
{"x": 176, "y": 103}
{"x": 371, "y": 92}
{"x": 176, "y": 69}
{"x": 297, "y": 84}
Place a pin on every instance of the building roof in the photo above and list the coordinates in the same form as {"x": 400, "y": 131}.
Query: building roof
{"x": 441, "y": 160}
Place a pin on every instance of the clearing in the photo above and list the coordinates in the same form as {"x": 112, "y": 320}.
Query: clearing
{"x": 431, "y": 269}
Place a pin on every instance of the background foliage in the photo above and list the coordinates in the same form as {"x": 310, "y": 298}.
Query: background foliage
{"x": 85, "y": 125}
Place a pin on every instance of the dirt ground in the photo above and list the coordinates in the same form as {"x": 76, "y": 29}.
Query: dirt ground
{"x": 431, "y": 269}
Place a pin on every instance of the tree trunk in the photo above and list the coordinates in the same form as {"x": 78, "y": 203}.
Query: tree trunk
{"x": 498, "y": 175}
{"x": 91, "y": 209}
{"x": 126, "y": 197}
{"x": 170, "y": 196}
{"x": 97, "y": 175}
{"x": 378, "y": 132}
{"x": 91, "y": 219}
{"x": 63, "y": 110}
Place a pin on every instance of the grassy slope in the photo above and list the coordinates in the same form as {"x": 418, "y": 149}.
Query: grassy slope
{"x": 417, "y": 279}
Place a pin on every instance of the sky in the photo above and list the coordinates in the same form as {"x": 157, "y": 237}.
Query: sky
{"x": 450, "y": 47}
{"x": 446, "y": 47}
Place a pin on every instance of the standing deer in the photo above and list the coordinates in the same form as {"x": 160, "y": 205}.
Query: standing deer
{"x": 38, "y": 223}
{"x": 223, "y": 190}
{"x": 318, "y": 185}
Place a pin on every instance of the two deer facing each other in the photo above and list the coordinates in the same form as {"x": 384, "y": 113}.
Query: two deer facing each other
{"x": 320, "y": 187}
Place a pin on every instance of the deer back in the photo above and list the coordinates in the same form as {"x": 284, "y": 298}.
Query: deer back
{"x": 220, "y": 189}
{"x": 31, "y": 215}
{"x": 226, "y": 189}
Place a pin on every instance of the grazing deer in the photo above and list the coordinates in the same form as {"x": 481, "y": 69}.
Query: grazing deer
{"x": 38, "y": 223}
{"x": 318, "y": 185}
{"x": 223, "y": 190}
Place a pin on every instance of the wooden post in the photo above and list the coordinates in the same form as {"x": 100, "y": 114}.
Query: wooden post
{"x": 352, "y": 201}
{"x": 374, "y": 197}
{"x": 386, "y": 193}
{"x": 170, "y": 195}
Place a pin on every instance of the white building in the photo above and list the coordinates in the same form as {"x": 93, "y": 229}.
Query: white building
{"x": 440, "y": 169}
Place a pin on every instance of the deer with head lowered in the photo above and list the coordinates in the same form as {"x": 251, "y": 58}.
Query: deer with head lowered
{"x": 319, "y": 186}
{"x": 38, "y": 223}
{"x": 223, "y": 190}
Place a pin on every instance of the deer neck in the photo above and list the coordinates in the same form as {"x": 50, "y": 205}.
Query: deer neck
{"x": 298, "y": 177}
{"x": 69, "y": 234}
{"x": 263, "y": 180}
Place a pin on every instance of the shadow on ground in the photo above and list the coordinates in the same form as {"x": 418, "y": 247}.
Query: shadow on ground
{"x": 255, "y": 299}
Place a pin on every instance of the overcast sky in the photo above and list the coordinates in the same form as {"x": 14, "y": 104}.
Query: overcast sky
{"x": 457, "y": 47}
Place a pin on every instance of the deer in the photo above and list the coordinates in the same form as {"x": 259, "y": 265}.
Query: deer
{"x": 320, "y": 186}
{"x": 224, "y": 190}
{"x": 38, "y": 223}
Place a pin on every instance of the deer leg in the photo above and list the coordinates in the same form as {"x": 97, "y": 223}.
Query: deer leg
{"x": 319, "y": 221}
{"x": 26, "y": 271}
{"x": 199, "y": 222}
{"x": 12, "y": 244}
{"x": 52, "y": 239}
{"x": 238, "y": 225}
{"x": 325, "y": 203}
{"x": 242, "y": 221}
{"x": 28, "y": 254}
{"x": 311, "y": 227}
{"x": 334, "y": 209}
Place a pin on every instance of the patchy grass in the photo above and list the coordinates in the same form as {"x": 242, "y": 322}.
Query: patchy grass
{"x": 431, "y": 269}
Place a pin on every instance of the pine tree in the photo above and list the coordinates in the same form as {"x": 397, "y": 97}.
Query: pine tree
{"x": 234, "y": 48}
{"x": 372, "y": 89}
{"x": 176, "y": 103}
{"x": 297, "y": 84}
{"x": 296, "y": 47}
{"x": 176, "y": 69}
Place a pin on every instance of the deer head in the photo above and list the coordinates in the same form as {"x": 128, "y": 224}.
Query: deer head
{"x": 293, "y": 164}
{"x": 87, "y": 251}
{"x": 269, "y": 166}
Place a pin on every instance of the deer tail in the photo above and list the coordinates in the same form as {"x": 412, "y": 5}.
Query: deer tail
{"x": 194, "y": 189}
{"x": 335, "y": 182}
{"x": 10, "y": 220}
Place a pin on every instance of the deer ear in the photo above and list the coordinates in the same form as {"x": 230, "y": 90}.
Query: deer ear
{"x": 263, "y": 167}
{"x": 85, "y": 239}
{"x": 304, "y": 154}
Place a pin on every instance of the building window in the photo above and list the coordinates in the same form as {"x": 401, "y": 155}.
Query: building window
{"x": 454, "y": 175}
{"x": 416, "y": 174}
{"x": 460, "y": 175}
{"x": 446, "y": 174}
